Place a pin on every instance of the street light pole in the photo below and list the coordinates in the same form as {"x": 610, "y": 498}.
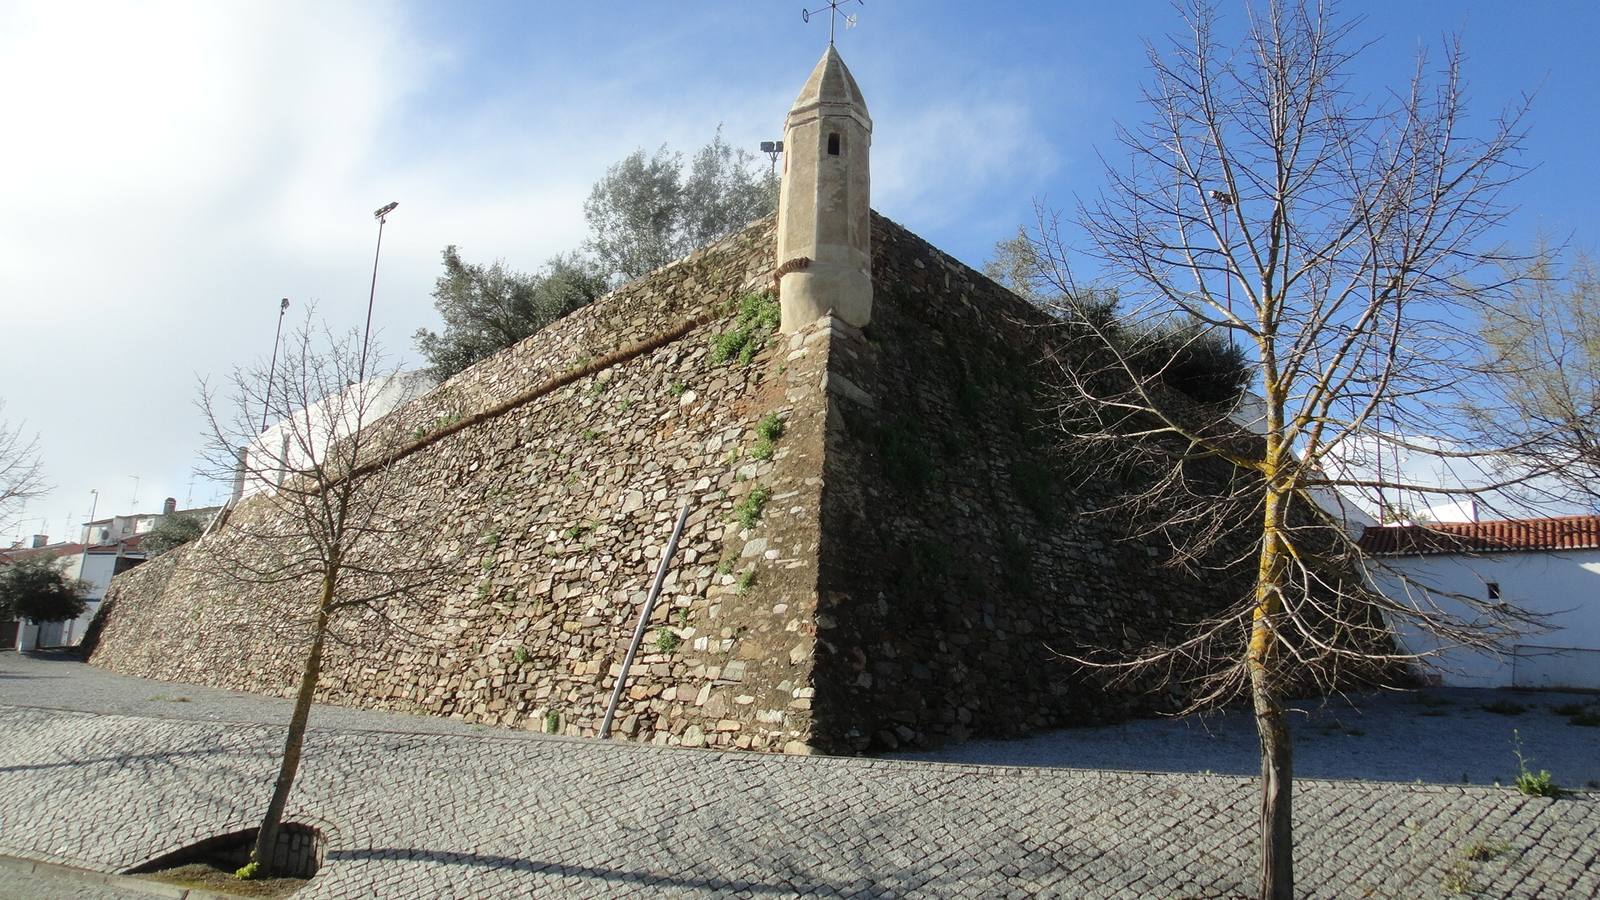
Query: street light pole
{"x": 272, "y": 367}
{"x": 382, "y": 215}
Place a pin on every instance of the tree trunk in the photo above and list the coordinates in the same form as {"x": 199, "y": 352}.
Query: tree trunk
{"x": 267, "y": 837}
{"x": 1277, "y": 769}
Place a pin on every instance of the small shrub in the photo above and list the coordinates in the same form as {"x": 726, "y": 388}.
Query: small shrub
{"x": 762, "y": 451}
{"x": 1505, "y": 708}
{"x": 725, "y": 566}
{"x": 1590, "y": 719}
{"x": 552, "y": 722}
{"x": 520, "y": 657}
{"x": 248, "y": 872}
{"x": 667, "y": 640}
{"x": 1433, "y": 702}
{"x": 749, "y": 509}
{"x": 678, "y": 389}
{"x": 1570, "y": 709}
{"x": 747, "y": 580}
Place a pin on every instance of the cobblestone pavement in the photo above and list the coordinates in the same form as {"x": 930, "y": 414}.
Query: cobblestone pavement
{"x": 494, "y": 814}
{"x": 1442, "y": 735}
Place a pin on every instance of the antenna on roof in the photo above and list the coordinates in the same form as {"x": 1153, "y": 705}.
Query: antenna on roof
{"x": 833, "y": 16}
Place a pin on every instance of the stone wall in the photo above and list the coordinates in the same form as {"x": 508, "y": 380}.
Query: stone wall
{"x": 959, "y": 557}
{"x": 917, "y": 563}
{"x": 553, "y": 517}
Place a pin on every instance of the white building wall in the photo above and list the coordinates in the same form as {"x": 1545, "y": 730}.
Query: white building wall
{"x": 282, "y": 442}
{"x": 1562, "y": 586}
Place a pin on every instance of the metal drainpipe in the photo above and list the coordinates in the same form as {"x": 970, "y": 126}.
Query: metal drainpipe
{"x": 644, "y": 621}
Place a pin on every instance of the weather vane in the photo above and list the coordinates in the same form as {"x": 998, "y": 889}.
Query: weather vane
{"x": 833, "y": 15}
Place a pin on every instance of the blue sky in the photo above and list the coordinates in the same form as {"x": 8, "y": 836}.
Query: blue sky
{"x": 175, "y": 168}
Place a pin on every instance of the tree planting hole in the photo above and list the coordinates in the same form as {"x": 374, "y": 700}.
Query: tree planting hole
{"x": 210, "y": 864}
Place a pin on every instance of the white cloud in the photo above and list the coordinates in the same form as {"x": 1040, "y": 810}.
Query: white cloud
{"x": 175, "y": 168}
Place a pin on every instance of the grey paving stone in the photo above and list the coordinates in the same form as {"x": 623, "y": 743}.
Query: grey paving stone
{"x": 485, "y": 813}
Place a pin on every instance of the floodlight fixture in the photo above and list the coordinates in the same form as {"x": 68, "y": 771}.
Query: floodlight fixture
{"x": 385, "y": 211}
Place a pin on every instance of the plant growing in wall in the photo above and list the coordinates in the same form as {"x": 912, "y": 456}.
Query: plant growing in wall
{"x": 325, "y": 545}
{"x": 748, "y": 512}
{"x": 758, "y": 317}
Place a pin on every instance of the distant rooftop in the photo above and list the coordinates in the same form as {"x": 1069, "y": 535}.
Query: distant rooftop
{"x": 1500, "y": 536}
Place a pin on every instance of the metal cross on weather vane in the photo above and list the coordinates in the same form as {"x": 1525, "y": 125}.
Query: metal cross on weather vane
{"x": 833, "y": 15}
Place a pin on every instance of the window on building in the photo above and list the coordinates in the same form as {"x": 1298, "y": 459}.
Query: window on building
{"x": 833, "y": 144}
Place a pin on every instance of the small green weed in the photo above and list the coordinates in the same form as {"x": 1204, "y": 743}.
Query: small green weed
{"x": 248, "y": 872}
{"x": 597, "y": 387}
{"x": 768, "y": 430}
{"x": 577, "y": 531}
{"x": 770, "y": 427}
{"x": 667, "y": 640}
{"x": 725, "y": 566}
{"x": 1458, "y": 880}
{"x": 520, "y": 657}
{"x": 678, "y": 389}
{"x": 758, "y": 317}
{"x": 624, "y": 405}
{"x": 747, "y": 580}
{"x": 589, "y": 434}
{"x": 749, "y": 509}
{"x": 1505, "y": 708}
{"x": 1533, "y": 784}
{"x": 552, "y": 722}
{"x": 1483, "y": 851}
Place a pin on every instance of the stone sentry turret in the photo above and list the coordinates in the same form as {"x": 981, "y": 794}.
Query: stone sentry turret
{"x": 824, "y": 222}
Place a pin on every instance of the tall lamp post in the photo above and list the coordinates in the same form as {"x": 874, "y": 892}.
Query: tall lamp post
{"x": 272, "y": 367}
{"x": 382, "y": 215}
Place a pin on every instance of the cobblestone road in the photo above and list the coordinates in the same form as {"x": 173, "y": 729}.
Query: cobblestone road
{"x": 473, "y": 815}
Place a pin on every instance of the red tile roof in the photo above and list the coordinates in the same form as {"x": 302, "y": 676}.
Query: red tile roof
{"x": 1505, "y": 535}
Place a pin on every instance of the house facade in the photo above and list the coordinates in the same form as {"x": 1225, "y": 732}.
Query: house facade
{"x": 1549, "y": 567}
{"x": 105, "y": 549}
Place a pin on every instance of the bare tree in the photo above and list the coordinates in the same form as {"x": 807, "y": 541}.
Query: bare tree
{"x": 323, "y": 544}
{"x": 21, "y": 473}
{"x": 1544, "y": 370}
{"x": 1341, "y": 244}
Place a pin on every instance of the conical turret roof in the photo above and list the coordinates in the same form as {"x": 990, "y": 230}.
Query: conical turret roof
{"x": 830, "y": 82}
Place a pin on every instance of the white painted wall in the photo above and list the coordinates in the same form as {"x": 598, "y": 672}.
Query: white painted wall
{"x": 280, "y": 448}
{"x": 1563, "y": 586}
